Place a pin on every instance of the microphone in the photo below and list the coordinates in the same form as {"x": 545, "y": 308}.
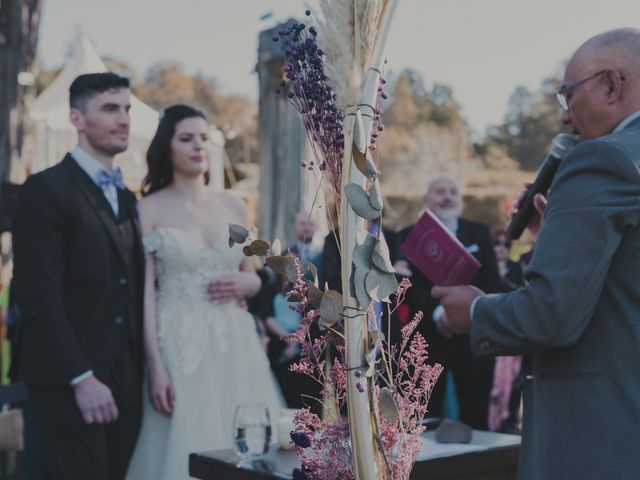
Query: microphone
{"x": 560, "y": 146}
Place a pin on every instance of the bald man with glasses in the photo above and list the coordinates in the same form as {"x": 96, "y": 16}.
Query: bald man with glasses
{"x": 579, "y": 315}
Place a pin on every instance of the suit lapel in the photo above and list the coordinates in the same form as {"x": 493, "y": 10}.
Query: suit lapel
{"x": 97, "y": 201}
{"x": 132, "y": 211}
{"x": 463, "y": 232}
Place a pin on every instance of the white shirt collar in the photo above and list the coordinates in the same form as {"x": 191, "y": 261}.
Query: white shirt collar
{"x": 627, "y": 120}
{"x": 451, "y": 224}
{"x": 87, "y": 162}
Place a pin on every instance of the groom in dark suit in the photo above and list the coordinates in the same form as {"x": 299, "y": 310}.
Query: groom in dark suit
{"x": 579, "y": 315}
{"x": 473, "y": 377}
{"x": 78, "y": 283}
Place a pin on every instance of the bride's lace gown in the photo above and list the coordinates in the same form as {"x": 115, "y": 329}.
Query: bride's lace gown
{"x": 211, "y": 350}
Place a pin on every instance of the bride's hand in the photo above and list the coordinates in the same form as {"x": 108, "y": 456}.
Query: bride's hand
{"x": 235, "y": 286}
{"x": 161, "y": 390}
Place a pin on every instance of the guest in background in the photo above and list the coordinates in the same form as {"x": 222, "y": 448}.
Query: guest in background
{"x": 299, "y": 390}
{"x": 472, "y": 376}
{"x": 510, "y": 271}
{"x": 508, "y": 379}
{"x": 304, "y": 248}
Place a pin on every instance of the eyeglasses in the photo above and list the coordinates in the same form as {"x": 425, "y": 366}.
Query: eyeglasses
{"x": 561, "y": 95}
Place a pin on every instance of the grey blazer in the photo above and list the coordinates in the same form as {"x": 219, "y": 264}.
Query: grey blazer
{"x": 579, "y": 318}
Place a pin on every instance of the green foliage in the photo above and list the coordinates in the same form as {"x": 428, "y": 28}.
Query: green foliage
{"x": 531, "y": 122}
{"x": 413, "y": 104}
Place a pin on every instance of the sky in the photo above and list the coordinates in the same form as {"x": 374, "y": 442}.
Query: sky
{"x": 483, "y": 49}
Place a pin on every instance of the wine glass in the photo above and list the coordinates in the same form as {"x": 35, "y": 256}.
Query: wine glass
{"x": 251, "y": 431}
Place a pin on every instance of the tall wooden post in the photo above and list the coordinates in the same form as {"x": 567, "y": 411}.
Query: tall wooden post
{"x": 19, "y": 24}
{"x": 283, "y": 146}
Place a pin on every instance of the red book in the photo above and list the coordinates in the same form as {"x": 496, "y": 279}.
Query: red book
{"x": 437, "y": 253}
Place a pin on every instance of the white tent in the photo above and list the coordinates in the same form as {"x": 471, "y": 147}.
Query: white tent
{"x": 55, "y": 135}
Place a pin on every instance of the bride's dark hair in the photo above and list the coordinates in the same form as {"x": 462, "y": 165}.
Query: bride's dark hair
{"x": 159, "y": 164}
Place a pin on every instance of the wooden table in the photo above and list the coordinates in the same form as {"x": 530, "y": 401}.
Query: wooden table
{"x": 497, "y": 461}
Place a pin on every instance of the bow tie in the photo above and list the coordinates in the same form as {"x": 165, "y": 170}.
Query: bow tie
{"x": 114, "y": 177}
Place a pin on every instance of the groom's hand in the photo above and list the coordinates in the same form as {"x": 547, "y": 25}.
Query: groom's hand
{"x": 95, "y": 401}
{"x": 457, "y": 305}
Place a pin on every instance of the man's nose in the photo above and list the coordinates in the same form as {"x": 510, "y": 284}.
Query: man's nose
{"x": 565, "y": 117}
{"x": 124, "y": 118}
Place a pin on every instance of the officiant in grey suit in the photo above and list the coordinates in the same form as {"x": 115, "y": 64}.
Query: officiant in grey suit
{"x": 579, "y": 315}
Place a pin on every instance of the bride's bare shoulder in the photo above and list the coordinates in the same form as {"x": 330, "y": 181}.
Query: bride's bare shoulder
{"x": 150, "y": 208}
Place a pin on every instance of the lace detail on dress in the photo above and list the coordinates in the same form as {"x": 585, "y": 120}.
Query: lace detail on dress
{"x": 184, "y": 266}
{"x": 152, "y": 242}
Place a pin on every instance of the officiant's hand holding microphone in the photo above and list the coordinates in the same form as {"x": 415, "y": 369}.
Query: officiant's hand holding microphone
{"x": 529, "y": 211}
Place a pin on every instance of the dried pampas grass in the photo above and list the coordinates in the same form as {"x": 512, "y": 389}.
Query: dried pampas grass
{"x": 347, "y": 33}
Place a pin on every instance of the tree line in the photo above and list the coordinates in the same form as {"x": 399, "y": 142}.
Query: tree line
{"x": 524, "y": 135}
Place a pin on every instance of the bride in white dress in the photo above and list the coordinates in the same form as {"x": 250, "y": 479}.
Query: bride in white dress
{"x": 203, "y": 353}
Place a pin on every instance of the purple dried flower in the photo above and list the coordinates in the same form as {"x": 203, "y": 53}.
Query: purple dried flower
{"x": 300, "y": 439}
{"x": 360, "y": 387}
{"x": 277, "y": 91}
{"x": 312, "y": 96}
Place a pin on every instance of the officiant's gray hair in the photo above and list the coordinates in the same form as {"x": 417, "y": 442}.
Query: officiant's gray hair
{"x": 444, "y": 176}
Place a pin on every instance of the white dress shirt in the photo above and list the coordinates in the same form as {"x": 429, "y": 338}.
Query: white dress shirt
{"x": 92, "y": 167}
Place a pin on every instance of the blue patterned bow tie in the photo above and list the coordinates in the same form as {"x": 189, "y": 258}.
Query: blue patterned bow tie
{"x": 114, "y": 177}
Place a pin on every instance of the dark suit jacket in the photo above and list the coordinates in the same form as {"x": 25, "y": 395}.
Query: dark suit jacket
{"x": 72, "y": 285}
{"x": 513, "y": 279}
{"x": 579, "y": 317}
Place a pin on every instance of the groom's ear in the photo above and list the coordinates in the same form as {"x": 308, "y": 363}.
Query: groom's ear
{"x": 77, "y": 118}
